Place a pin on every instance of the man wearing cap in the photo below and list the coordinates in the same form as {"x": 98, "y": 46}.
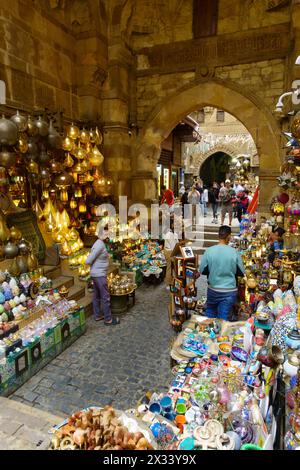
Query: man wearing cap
{"x": 226, "y": 197}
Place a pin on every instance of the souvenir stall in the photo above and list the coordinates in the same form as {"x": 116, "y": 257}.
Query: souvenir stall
{"x": 36, "y": 321}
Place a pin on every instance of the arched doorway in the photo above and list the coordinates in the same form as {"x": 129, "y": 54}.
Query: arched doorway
{"x": 215, "y": 168}
{"x": 252, "y": 112}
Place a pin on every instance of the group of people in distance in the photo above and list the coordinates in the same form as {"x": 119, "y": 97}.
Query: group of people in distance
{"x": 231, "y": 198}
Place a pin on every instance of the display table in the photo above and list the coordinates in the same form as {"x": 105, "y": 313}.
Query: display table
{"x": 21, "y": 364}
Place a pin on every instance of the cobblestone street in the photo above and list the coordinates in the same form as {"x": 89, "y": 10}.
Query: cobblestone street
{"x": 109, "y": 364}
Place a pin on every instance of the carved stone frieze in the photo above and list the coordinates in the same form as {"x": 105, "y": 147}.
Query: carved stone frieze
{"x": 228, "y": 49}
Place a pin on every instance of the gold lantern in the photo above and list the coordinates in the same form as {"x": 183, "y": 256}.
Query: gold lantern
{"x": 33, "y": 167}
{"x": 80, "y": 153}
{"x": 82, "y": 206}
{"x": 64, "y": 195}
{"x": 38, "y": 210}
{"x": 78, "y": 192}
{"x": 99, "y": 137}
{"x": 73, "y": 203}
{"x": 68, "y": 162}
{"x": 22, "y": 143}
{"x": 80, "y": 167}
{"x": 64, "y": 180}
{"x": 45, "y": 194}
{"x": 84, "y": 136}
{"x": 68, "y": 144}
{"x": 73, "y": 132}
{"x": 89, "y": 178}
{"x": 66, "y": 249}
{"x": 50, "y": 222}
{"x": 96, "y": 158}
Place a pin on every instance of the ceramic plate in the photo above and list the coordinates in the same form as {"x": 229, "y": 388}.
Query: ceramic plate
{"x": 239, "y": 354}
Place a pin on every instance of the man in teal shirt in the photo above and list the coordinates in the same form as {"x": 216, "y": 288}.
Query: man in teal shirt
{"x": 221, "y": 264}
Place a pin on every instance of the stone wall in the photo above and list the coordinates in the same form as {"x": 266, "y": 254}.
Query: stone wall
{"x": 46, "y": 59}
{"x": 264, "y": 80}
{"x": 155, "y": 88}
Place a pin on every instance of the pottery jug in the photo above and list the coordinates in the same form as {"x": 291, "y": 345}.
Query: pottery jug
{"x": 15, "y": 234}
{"x": 8, "y": 132}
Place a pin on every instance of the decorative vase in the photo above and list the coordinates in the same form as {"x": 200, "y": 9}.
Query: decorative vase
{"x": 23, "y": 247}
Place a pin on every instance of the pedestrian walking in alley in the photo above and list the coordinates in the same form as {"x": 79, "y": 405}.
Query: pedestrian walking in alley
{"x": 226, "y": 197}
{"x": 194, "y": 199}
{"x": 213, "y": 197}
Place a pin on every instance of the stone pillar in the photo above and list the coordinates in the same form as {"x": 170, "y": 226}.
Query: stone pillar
{"x": 119, "y": 138}
{"x": 268, "y": 189}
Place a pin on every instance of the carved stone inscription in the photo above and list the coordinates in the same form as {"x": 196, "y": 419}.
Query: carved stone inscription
{"x": 242, "y": 47}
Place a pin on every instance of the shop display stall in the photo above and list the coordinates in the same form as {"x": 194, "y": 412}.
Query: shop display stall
{"x": 37, "y": 324}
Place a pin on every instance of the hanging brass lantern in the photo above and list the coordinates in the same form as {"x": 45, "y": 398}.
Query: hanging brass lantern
{"x": 54, "y": 166}
{"x": 22, "y": 145}
{"x": 96, "y": 158}
{"x": 63, "y": 180}
{"x": 99, "y": 137}
{"x": 38, "y": 210}
{"x": 89, "y": 178}
{"x": 68, "y": 144}
{"x": 80, "y": 153}
{"x": 33, "y": 167}
{"x": 78, "y": 192}
{"x": 72, "y": 132}
{"x": 84, "y": 136}
{"x": 64, "y": 195}
{"x": 80, "y": 167}
{"x": 68, "y": 162}
{"x": 88, "y": 190}
{"x": 31, "y": 127}
{"x": 93, "y": 136}
{"x": 73, "y": 203}
{"x": 45, "y": 194}
{"x": 82, "y": 206}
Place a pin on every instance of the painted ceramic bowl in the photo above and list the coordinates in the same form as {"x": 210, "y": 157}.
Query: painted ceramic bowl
{"x": 239, "y": 354}
{"x": 225, "y": 348}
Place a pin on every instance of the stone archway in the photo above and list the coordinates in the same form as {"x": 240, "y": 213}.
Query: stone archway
{"x": 242, "y": 104}
{"x": 200, "y": 158}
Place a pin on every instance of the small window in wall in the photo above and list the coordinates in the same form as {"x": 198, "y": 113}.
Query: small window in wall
{"x": 205, "y": 18}
{"x": 201, "y": 116}
{"x": 220, "y": 115}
